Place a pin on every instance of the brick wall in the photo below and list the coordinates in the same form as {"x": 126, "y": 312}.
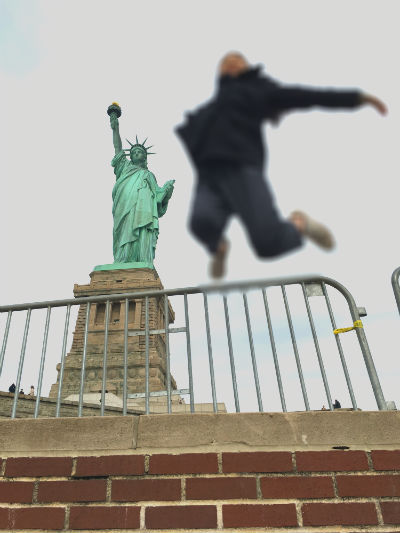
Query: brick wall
{"x": 351, "y": 490}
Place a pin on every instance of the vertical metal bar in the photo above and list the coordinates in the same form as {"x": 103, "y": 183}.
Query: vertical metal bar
{"x": 274, "y": 352}
{"x": 339, "y": 346}
{"x": 125, "y": 382}
{"x": 189, "y": 353}
{"x": 210, "y": 356}
{"x": 63, "y": 352}
{"x": 21, "y": 363}
{"x": 231, "y": 358}
{"x": 296, "y": 353}
{"x": 42, "y": 359}
{"x": 104, "y": 382}
{"x": 317, "y": 349}
{"x": 369, "y": 363}
{"x": 147, "y": 354}
{"x": 5, "y": 339}
{"x": 80, "y": 406}
{"x": 252, "y": 352}
{"x": 168, "y": 374}
{"x": 396, "y": 286}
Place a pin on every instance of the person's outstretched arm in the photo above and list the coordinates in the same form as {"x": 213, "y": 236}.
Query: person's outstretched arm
{"x": 280, "y": 99}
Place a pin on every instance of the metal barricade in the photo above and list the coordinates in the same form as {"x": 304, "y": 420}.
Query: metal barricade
{"x": 396, "y": 286}
{"x": 307, "y": 287}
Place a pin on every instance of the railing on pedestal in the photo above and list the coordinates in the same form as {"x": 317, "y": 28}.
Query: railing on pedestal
{"x": 307, "y": 286}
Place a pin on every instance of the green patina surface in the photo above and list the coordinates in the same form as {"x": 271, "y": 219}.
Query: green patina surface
{"x": 124, "y": 266}
{"x": 138, "y": 202}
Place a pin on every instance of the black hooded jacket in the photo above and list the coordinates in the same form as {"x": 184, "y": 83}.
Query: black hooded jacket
{"x": 228, "y": 127}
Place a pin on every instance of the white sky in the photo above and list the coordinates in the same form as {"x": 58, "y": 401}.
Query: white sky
{"x": 63, "y": 62}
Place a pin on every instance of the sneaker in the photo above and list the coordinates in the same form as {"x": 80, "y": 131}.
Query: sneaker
{"x": 218, "y": 262}
{"x": 315, "y": 231}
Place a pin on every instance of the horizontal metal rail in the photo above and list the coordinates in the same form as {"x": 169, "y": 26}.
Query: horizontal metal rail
{"x": 309, "y": 285}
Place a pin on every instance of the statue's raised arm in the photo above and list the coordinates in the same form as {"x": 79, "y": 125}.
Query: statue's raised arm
{"x": 115, "y": 112}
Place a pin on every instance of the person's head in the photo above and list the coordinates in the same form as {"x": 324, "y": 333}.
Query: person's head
{"x": 233, "y": 64}
{"x": 138, "y": 155}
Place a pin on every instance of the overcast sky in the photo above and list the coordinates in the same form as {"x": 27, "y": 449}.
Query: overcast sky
{"x": 63, "y": 62}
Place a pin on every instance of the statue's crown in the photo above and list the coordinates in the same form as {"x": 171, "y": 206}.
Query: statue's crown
{"x": 139, "y": 145}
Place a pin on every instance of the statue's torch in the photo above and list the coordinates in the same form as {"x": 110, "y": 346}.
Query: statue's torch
{"x": 114, "y": 108}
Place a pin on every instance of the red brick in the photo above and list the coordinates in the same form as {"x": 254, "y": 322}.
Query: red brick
{"x": 117, "y": 465}
{"x": 391, "y": 512}
{"x": 134, "y": 490}
{"x": 331, "y": 461}
{"x": 345, "y": 514}
{"x": 32, "y": 518}
{"x": 104, "y": 518}
{"x": 16, "y": 491}
{"x": 185, "y": 463}
{"x": 38, "y": 466}
{"x": 386, "y": 459}
{"x": 181, "y": 517}
{"x": 297, "y": 487}
{"x": 259, "y": 515}
{"x": 368, "y": 485}
{"x": 257, "y": 462}
{"x": 220, "y": 488}
{"x": 91, "y": 490}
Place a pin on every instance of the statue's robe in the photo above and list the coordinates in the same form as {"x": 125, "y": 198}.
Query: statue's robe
{"x": 138, "y": 202}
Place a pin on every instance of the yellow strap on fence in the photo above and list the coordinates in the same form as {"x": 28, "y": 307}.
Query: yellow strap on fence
{"x": 356, "y": 324}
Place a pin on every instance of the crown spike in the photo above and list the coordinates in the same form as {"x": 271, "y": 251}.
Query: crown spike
{"x": 144, "y": 142}
{"x": 137, "y": 142}
{"x": 129, "y": 142}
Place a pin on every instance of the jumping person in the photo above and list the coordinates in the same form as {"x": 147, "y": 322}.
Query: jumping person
{"x": 224, "y": 140}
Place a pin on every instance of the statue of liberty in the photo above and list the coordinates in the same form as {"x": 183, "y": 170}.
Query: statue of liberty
{"x": 138, "y": 201}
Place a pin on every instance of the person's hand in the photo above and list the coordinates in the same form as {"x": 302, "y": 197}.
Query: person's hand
{"x": 114, "y": 121}
{"x": 369, "y": 99}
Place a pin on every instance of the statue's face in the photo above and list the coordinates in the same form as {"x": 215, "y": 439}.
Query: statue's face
{"x": 138, "y": 156}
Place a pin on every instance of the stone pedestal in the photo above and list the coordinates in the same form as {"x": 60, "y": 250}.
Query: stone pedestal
{"x": 114, "y": 282}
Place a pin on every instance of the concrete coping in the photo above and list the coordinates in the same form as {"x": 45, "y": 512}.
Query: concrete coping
{"x": 203, "y": 432}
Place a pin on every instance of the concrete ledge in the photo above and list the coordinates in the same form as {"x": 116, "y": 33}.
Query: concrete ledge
{"x": 178, "y": 433}
{"x": 68, "y": 434}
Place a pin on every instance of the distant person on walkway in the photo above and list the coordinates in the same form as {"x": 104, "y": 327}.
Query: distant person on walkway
{"x": 32, "y": 391}
{"x": 224, "y": 140}
{"x": 11, "y": 388}
{"x": 22, "y": 392}
{"x": 336, "y": 404}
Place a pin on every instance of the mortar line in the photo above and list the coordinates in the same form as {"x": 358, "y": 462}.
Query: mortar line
{"x": 74, "y": 465}
{"x": 335, "y": 487}
{"x": 299, "y": 513}
{"x": 369, "y": 459}
{"x": 108, "y": 490}
{"x": 379, "y": 512}
{"x": 219, "y": 462}
{"x": 258, "y": 487}
{"x": 183, "y": 489}
{"x": 294, "y": 462}
{"x": 220, "y": 522}
{"x": 146, "y": 464}
{"x": 66, "y": 518}
{"x": 142, "y": 517}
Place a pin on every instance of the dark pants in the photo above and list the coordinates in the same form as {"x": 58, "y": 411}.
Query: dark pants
{"x": 224, "y": 190}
